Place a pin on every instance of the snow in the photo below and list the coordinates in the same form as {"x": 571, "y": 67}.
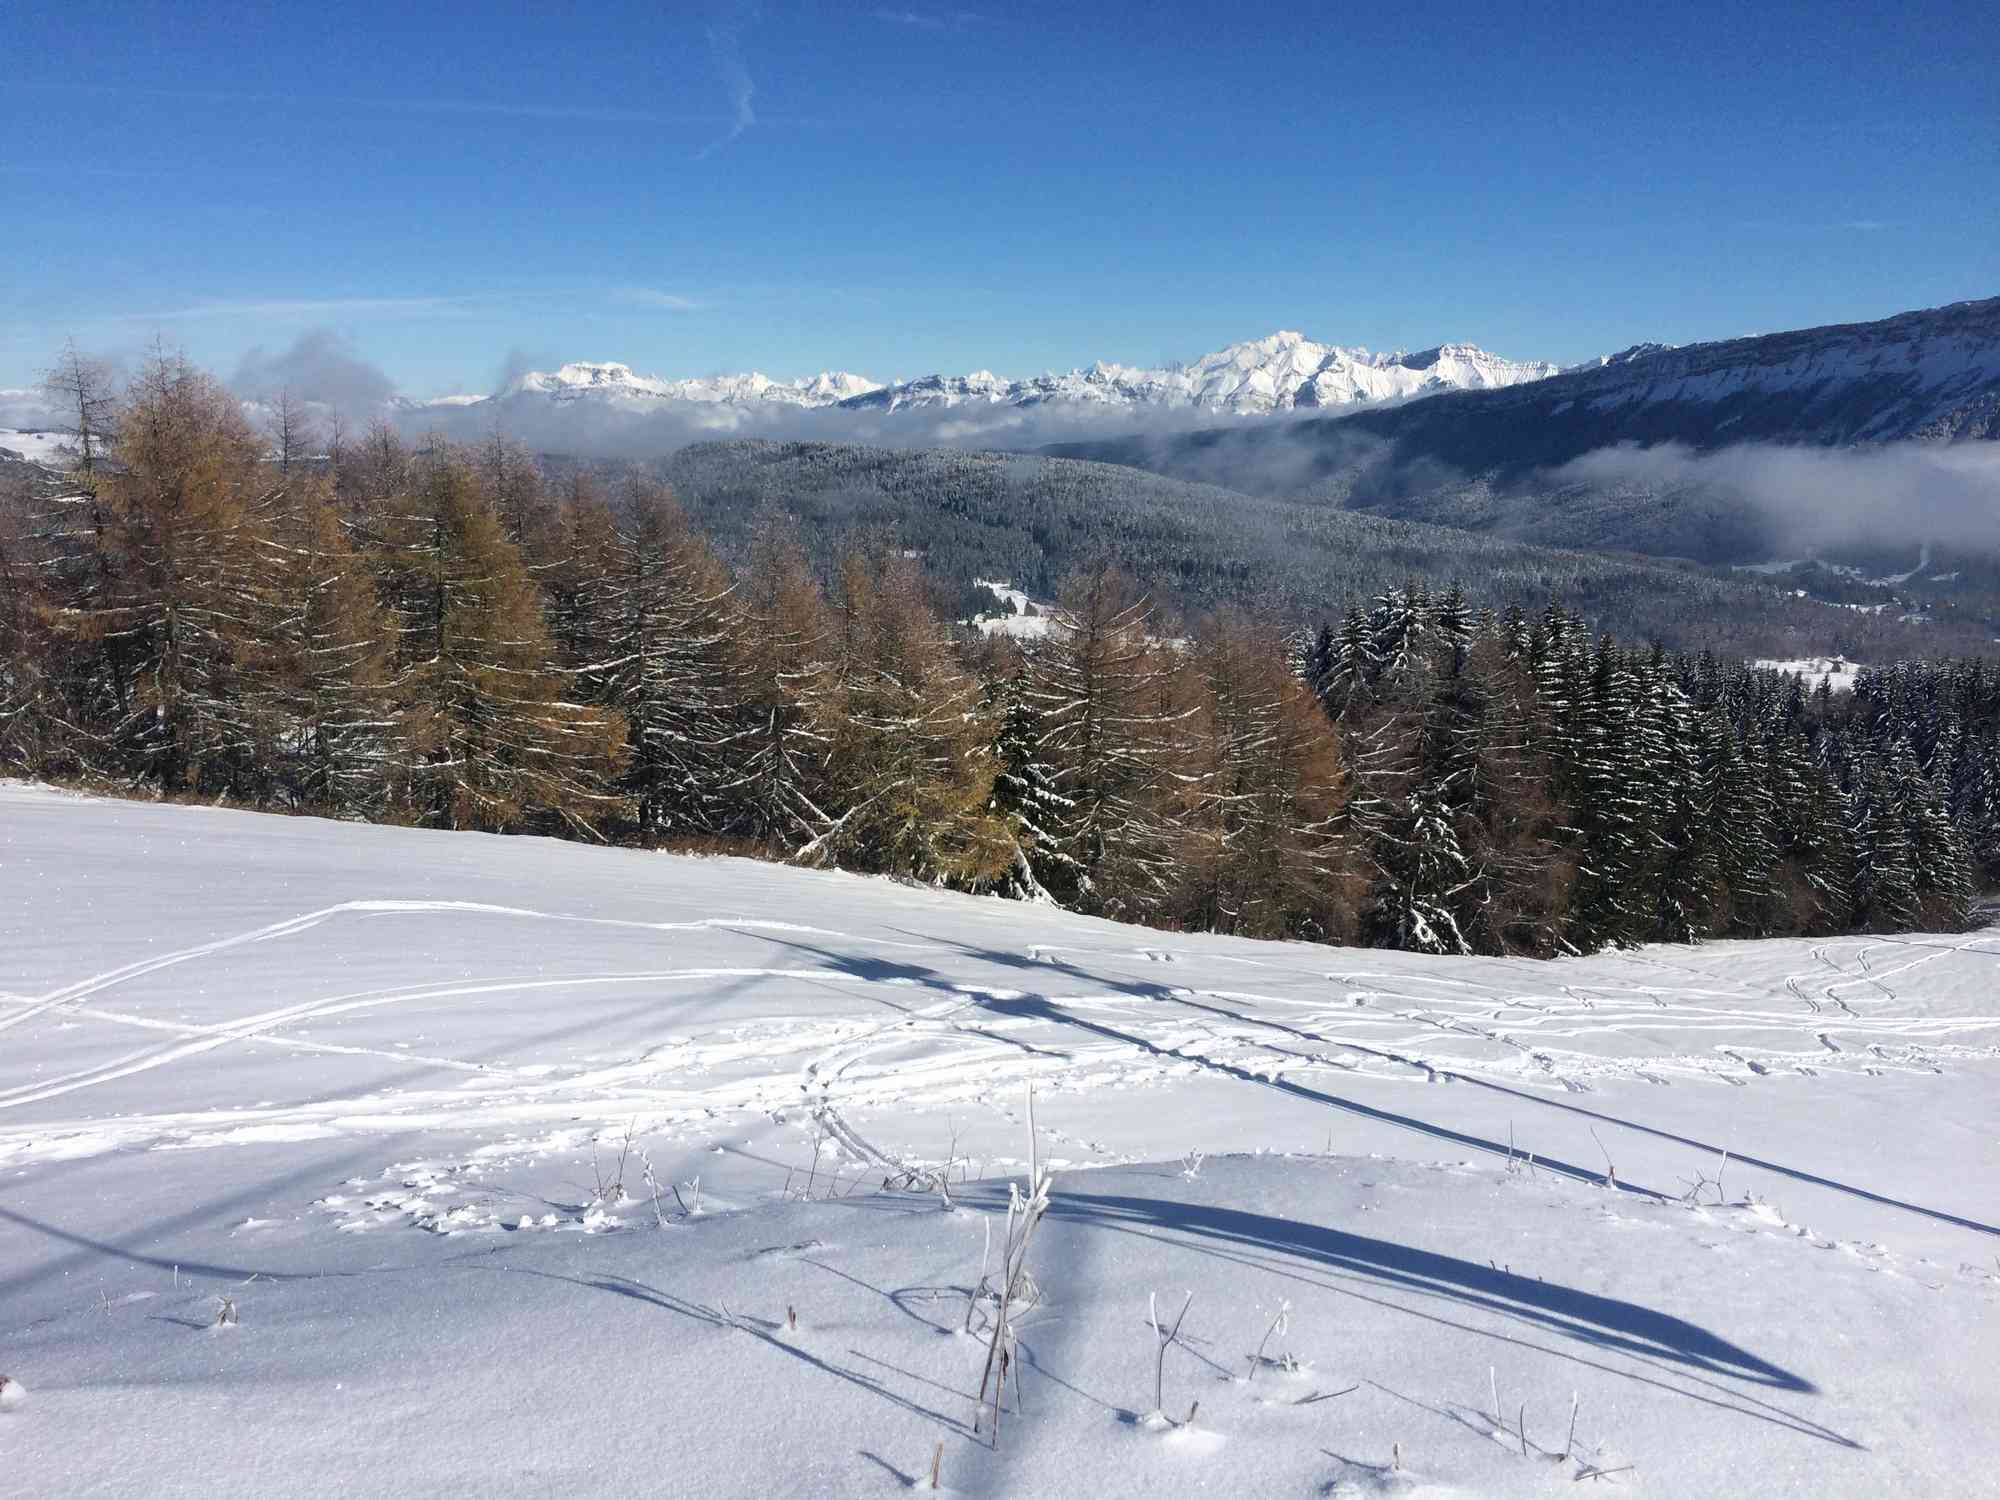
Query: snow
{"x": 1839, "y": 673}
{"x": 42, "y": 447}
{"x": 1020, "y": 624}
{"x": 374, "y": 1086}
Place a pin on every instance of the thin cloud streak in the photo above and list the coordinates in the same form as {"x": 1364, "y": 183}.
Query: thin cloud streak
{"x": 725, "y": 45}
{"x": 659, "y": 301}
{"x": 949, "y": 20}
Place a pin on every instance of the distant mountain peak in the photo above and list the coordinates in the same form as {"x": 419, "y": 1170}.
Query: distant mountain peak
{"x": 1277, "y": 372}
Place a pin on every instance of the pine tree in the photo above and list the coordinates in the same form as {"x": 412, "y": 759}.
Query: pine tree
{"x": 782, "y": 791}
{"x": 1102, "y": 689}
{"x": 1885, "y": 880}
{"x": 669, "y": 668}
{"x": 1422, "y": 870}
{"x": 1025, "y": 791}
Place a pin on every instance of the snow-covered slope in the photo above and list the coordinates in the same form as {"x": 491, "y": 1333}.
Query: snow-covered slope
{"x": 43, "y": 446}
{"x": 524, "y": 1168}
{"x": 1259, "y": 376}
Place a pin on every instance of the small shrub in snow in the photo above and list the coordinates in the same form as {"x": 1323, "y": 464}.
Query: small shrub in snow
{"x": 12, "y": 1393}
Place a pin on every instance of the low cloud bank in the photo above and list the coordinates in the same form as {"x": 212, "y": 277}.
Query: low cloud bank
{"x": 600, "y": 429}
{"x": 1897, "y": 494}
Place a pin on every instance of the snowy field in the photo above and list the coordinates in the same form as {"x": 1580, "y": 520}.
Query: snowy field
{"x": 390, "y": 1100}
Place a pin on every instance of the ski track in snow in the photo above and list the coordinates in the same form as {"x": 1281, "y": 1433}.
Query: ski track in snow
{"x": 1571, "y": 1037}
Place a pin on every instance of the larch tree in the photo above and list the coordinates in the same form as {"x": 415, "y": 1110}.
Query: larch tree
{"x": 1257, "y": 788}
{"x": 909, "y": 749}
{"x": 487, "y": 735}
{"x": 188, "y": 596}
{"x": 328, "y": 661}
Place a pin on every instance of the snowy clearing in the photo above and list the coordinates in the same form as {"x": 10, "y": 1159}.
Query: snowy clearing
{"x": 1837, "y": 672}
{"x": 325, "y": 1155}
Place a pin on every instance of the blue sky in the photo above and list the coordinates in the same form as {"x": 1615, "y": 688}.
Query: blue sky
{"x": 908, "y": 187}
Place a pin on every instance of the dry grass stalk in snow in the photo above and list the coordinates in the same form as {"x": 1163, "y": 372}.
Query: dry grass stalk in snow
{"x": 1024, "y": 1216}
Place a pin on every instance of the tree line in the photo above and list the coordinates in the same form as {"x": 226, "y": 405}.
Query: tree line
{"x": 370, "y": 629}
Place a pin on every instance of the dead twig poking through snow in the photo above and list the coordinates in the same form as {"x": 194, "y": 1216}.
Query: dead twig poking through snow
{"x": 1610, "y": 1168}
{"x": 1191, "y": 1165}
{"x": 225, "y": 1312}
{"x": 1278, "y": 1325}
{"x": 1569, "y": 1443}
{"x": 1165, "y": 1340}
{"x": 937, "y": 1466}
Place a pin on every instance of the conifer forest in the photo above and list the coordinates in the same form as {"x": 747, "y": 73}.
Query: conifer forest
{"x": 366, "y": 628}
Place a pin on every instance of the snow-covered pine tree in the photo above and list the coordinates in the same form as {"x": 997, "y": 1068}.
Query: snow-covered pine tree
{"x": 1815, "y": 869}
{"x": 1421, "y": 869}
{"x": 1024, "y": 787}
{"x": 1605, "y": 806}
{"x": 1682, "y": 888}
{"x": 1738, "y": 812}
{"x": 1943, "y": 872}
{"x": 1101, "y": 687}
{"x": 1885, "y": 880}
{"x": 782, "y": 792}
{"x": 1351, "y": 667}
{"x": 670, "y": 667}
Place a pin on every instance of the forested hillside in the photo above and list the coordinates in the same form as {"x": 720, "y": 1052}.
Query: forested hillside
{"x": 1034, "y": 520}
{"x": 435, "y": 636}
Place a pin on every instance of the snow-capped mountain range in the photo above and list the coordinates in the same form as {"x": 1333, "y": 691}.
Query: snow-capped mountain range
{"x": 1279, "y": 373}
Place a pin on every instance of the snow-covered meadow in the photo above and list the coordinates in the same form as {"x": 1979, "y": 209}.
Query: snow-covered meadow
{"x": 521, "y": 1167}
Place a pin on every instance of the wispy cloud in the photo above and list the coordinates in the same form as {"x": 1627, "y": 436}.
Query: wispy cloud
{"x": 930, "y": 20}
{"x": 655, "y": 298}
{"x": 725, "y": 46}
{"x": 1867, "y": 226}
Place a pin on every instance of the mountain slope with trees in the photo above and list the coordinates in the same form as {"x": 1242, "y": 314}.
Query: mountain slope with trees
{"x": 434, "y": 636}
